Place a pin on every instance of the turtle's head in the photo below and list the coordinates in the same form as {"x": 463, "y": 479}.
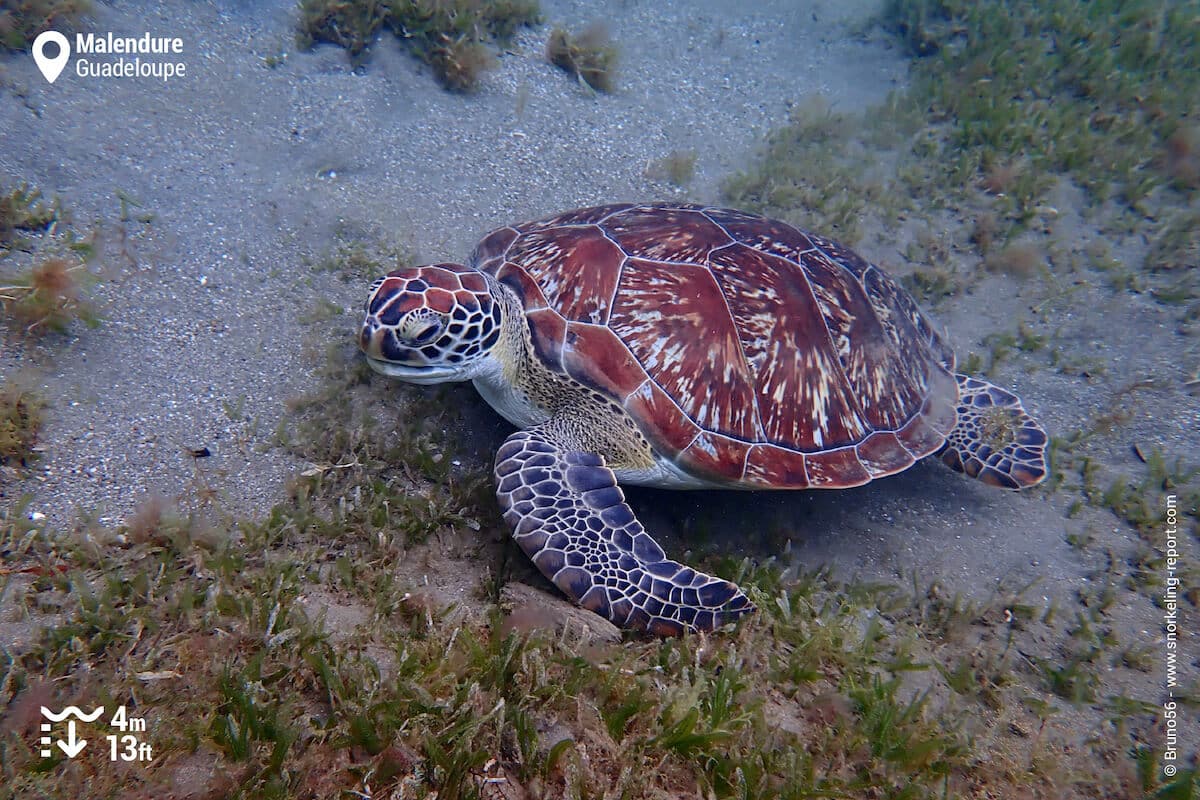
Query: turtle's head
{"x": 430, "y": 324}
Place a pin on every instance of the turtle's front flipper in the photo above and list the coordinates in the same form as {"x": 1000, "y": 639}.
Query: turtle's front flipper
{"x": 569, "y": 516}
{"x": 995, "y": 440}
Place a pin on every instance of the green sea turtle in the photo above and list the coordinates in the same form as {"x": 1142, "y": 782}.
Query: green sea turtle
{"x": 685, "y": 347}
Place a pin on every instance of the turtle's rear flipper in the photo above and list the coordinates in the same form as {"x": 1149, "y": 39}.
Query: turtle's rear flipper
{"x": 571, "y": 519}
{"x": 995, "y": 440}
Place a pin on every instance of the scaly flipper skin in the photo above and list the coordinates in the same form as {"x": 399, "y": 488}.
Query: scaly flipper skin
{"x": 571, "y": 519}
{"x": 995, "y": 440}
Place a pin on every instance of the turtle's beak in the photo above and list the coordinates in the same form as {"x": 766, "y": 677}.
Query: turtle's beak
{"x": 415, "y": 374}
{"x": 386, "y": 356}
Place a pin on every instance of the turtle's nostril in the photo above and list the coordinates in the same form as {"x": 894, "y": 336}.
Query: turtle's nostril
{"x": 373, "y": 338}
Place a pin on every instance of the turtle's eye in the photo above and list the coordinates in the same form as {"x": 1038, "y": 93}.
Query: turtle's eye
{"x": 426, "y": 334}
{"x": 421, "y": 327}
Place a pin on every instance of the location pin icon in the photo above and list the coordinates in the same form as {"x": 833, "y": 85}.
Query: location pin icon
{"x": 51, "y": 67}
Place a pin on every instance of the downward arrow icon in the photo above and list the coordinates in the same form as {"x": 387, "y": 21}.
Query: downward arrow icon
{"x": 72, "y": 747}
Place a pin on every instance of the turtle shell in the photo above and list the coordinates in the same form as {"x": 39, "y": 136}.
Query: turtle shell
{"x": 750, "y": 353}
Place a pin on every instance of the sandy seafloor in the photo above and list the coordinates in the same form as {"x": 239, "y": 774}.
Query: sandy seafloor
{"x": 254, "y": 174}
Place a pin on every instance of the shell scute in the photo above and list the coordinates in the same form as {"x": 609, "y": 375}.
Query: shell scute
{"x": 801, "y": 394}
{"x": 769, "y": 465}
{"x": 576, "y": 269}
{"x": 672, "y": 431}
{"x": 674, "y": 319}
{"x": 491, "y": 250}
{"x": 680, "y": 234}
{"x": 882, "y": 454}
{"x": 841, "y": 254}
{"x": 876, "y": 373}
{"x": 927, "y": 430}
{"x": 839, "y": 468}
{"x": 902, "y": 320}
{"x": 520, "y": 281}
{"x": 764, "y": 235}
{"x": 594, "y": 356}
{"x": 549, "y": 331}
{"x": 715, "y": 456}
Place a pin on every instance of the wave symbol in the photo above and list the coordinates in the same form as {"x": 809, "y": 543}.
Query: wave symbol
{"x": 72, "y": 711}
